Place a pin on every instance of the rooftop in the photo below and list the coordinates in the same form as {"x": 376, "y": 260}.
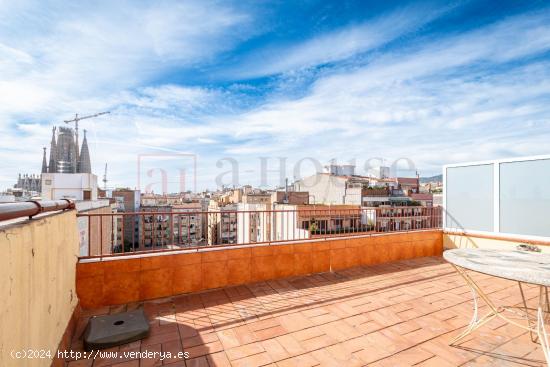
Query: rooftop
{"x": 378, "y": 295}
{"x": 395, "y": 314}
{"x": 421, "y": 196}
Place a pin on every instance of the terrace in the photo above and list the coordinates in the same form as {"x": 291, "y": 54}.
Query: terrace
{"x": 402, "y": 313}
{"x": 374, "y": 292}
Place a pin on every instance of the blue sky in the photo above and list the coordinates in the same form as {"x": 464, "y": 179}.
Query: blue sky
{"x": 434, "y": 82}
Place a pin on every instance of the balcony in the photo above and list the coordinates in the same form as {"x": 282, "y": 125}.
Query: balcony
{"x": 370, "y": 298}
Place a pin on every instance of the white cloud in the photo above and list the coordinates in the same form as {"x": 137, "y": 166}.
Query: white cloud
{"x": 480, "y": 94}
{"x": 74, "y": 52}
{"x": 339, "y": 44}
{"x": 58, "y": 58}
{"x": 459, "y": 98}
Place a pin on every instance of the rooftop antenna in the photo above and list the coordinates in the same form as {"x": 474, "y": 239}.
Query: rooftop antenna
{"x": 105, "y": 178}
{"x": 76, "y": 119}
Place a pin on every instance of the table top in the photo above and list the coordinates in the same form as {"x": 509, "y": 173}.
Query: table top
{"x": 522, "y": 266}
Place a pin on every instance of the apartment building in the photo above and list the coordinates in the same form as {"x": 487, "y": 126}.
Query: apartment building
{"x": 253, "y": 222}
{"x": 150, "y": 199}
{"x": 97, "y": 234}
{"x": 156, "y": 226}
{"x": 409, "y": 185}
{"x": 330, "y": 189}
{"x": 290, "y": 197}
{"x": 404, "y": 218}
{"x": 190, "y": 225}
{"x": 424, "y": 198}
{"x": 339, "y": 186}
{"x": 383, "y": 195}
{"x": 256, "y": 197}
{"x": 227, "y": 223}
{"x": 128, "y": 201}
{"x": 212, "y": 222}
{"x": 304, "y": 221}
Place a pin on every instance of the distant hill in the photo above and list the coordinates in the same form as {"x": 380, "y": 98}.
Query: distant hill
{"x": 437, "y": 178}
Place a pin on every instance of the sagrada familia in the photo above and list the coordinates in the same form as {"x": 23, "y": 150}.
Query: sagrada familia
{"x": 64, "y": 155}
{"x": 64, "y": 158}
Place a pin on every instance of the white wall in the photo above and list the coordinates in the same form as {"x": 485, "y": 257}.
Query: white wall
{"x": 353, "y": 196}
{"x": 68, "y": 185}
{"x": 245, "y": 219}
{"x": 285, "y": 225}
{"x": 324, "y": 188}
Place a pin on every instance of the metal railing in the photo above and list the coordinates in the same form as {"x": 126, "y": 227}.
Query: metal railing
{"x": 32, "y": 207}
{"x": 141, "y": 232}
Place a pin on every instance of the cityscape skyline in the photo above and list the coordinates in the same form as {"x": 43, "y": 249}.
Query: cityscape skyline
{"x": 274, "y": 183}
{"x": 352, "y": 80}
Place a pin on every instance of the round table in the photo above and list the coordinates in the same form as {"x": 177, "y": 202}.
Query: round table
{"x": 520, "y": 266}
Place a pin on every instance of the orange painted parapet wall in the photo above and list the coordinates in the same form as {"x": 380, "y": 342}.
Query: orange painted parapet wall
{"x": 124, "y": 280}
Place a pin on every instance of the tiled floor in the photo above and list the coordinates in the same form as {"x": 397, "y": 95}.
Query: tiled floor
{"x": 397, "y": 314}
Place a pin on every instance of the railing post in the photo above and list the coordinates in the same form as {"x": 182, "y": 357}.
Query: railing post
{"x": 89, "y": 236}
{"x": 122, "y": 234}
{"x": 101, "y": 235}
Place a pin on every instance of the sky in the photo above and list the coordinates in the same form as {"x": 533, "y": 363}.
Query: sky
{"x": 209, "y": 93}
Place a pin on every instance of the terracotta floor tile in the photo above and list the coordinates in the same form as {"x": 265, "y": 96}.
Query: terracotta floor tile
{"x": 197, "y": 362}
{"x": 80, "y": 363}
{"x": 218, "y": 359}
{"x": 294, "y": 322}
{"x": 327, "y": 358}
{"x": 134, "y": 363}
{"x": 199, "y": 340}
{"x": 120, "y": 358}
{"x": 264, "y": 324}
{"x": 176, "y": 364}
{"x": 357, "y": 320}
{"x": 187, "y": 330}
{"x": 204, "y": 349}
{"x": 244, "y": 334}
{"x": 436, "y": 362}
{"x": 340, "y": 331}
{"x": 317, "y": 342}
{"x": 255, "y": 360}
{"x": 409, "y": 357}
{"x": 149, "y": 362}
{"x": 454, "y": 355}
{"x": 228, "y": 338}
{"x": 371, "y": 354}
{"x": 275, "y": 350}
{"x": 304, "y": 360}
{"x": 394, "y": 314}
{"x": 369, "y": 327}
{"x": 244, "y": 351}
{"x": 160, "y": 338}
{"x": 174, "y": 348}
{"x": 269, "y": 333}
{"x": 291, "y": 345}
{"x": 308, "y": 333}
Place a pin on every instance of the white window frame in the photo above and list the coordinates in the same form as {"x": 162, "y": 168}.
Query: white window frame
{"x": 496, "y": 198}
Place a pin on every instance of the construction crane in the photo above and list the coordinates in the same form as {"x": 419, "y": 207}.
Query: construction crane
{"x": 105, "y": 178}
{"x": 76, "y": 119}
